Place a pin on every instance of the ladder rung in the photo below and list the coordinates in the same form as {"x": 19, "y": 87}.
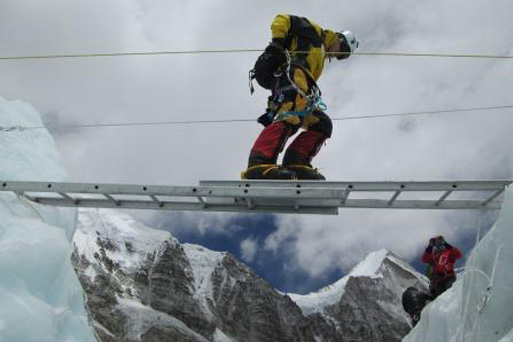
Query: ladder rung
{"x": 156, "y": 200}
{"x": 443, "y": 197}
{"x": 296, "y": 206}
{"x": 24, "y": 195}
{"x": 202, "y": 201}
{"x": 68, "y": 197}
{"x": 251, "y": 205}
{"x": 345, "y": 196}
{"x": 494, "y": 196}
{"x": 394, "y": 197}
{"x": 117, "y": 202}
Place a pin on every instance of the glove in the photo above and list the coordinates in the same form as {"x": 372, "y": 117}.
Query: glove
{"x": 277, "y": 50}
{"x": 429, "y": 249}
{"x": 266, "y": 119}
{"x": 276, "y": 47}
{"x": 432, "y": 242}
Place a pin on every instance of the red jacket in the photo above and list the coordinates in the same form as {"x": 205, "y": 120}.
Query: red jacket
{"x": 442, "y": 261}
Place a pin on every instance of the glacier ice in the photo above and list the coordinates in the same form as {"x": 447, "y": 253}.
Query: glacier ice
{"x": 40, "y": 296}
{"x": 479, "y": 306}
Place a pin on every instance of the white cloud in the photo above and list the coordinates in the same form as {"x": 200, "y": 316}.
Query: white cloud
{"x": 248, "y": 248}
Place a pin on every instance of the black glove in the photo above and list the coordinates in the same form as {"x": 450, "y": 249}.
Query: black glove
{"x": 277, "y": 50}
{"x": 276, "y": 47}
{"x": 266, "y": 119}
{"x": 429, "y": 249}
{"x": 432, "y": 242}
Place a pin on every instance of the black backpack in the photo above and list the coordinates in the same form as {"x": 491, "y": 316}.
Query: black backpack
{"x": 266, "y": 67}
{"x": 264, "y": 71}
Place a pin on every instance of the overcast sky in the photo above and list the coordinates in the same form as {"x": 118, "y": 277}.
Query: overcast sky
{"x": 472, "y": 145}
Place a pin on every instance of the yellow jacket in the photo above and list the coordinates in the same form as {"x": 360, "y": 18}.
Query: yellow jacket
{"x": 301, "y": 34}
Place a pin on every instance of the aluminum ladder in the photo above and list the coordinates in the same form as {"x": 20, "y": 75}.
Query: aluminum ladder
{"x": 266, "y": 196}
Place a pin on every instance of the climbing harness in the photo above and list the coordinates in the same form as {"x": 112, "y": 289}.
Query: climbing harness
{"x": 313, "y": 97}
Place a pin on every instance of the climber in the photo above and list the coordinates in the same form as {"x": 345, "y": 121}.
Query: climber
{"x": 440, "y": 257}
{"x": 290, "y": 67}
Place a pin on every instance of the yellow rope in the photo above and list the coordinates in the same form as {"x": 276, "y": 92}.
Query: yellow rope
{"x": 191, "y": 52}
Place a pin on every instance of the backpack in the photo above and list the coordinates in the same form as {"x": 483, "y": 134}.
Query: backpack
{"x": 267, "y": 66}
{"x": 264, "y": 70}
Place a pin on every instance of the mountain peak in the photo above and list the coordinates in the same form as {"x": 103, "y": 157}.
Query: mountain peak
{"x": 372, "y": 267}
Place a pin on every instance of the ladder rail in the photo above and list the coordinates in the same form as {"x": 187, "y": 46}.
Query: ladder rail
{"x": 391, "y": 186}
{"x": 172, "y": 191}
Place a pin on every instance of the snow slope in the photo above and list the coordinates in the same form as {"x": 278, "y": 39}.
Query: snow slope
{"x": 479, "y": 307}
{"x": 132, "y": 239}
{"x": 40, "y": 296}
{"x": 203, "y": 263}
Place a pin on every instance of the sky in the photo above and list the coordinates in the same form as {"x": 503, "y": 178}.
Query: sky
{"x": 294, "y": 253}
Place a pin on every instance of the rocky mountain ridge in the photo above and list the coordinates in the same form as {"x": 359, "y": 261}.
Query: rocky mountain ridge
{"x": 143, "y": 285}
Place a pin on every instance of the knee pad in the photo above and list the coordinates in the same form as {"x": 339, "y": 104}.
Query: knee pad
{"x": 323, "y": 125}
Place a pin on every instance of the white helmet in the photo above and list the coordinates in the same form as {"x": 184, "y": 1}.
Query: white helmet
{"x": 350, "y": 39}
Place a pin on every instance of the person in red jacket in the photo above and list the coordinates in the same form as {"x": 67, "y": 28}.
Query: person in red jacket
{"x": 440, "y": 257}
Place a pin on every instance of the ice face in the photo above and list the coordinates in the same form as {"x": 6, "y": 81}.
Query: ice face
{"x": 479, "y": 306}
{"x": 40, "y": 296}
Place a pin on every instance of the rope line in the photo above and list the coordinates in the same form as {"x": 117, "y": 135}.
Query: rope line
{"x": 192, "y": 122}
{"x": 214, "y": 51}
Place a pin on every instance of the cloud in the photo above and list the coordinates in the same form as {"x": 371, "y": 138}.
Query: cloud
{"x": 248, "y": 249}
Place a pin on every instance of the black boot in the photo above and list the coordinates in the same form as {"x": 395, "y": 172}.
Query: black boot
{"x": 306, "y": 172}
{"x": 268, "y": 171}
{"x": 300, "y": 153}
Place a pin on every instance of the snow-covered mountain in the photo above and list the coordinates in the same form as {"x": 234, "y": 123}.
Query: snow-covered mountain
{"x": 375, "y": 266}
{"x": 370, "y": 294}
{"x": 143, "y": 284}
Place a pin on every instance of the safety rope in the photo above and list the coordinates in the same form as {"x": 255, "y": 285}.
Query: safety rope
{"x": 191, "y": 122}
{"x": 314, "y": 92}
{"x": 488, "y": 292}
{"x": 221, "y": 51}
{"x": 463, "y": 317}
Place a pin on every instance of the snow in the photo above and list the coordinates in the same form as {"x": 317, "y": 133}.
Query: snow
{"x": 370, "y": 266}
{"x": 142, "y": 318}
{"x": 219, "y": 336}
{"x": 331, "y": 294}
{"x": 203, "y": 263}
{"x": 132, "y": 239}
{"x": 40, "y": 296}
{"x": 479, "y": 306}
